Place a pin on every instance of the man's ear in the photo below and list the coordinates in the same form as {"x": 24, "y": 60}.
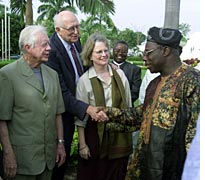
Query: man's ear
{"x": 166, "y": 50}
{"x": 27, "y": 47}
{"x": 57, "y": 29}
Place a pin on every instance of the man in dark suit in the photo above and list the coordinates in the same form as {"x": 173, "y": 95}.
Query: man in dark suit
{"x": 132, "y": 72}
{"x": 69, "y": 68}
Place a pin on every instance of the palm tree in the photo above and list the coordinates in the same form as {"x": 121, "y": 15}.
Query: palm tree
{"x": 172, "y": 10}
{"x": 24, "y": 9}
{"x": 50, "y": 8}
{"x": 29, "y": 12}
{"x": 99, "y": 20}
{"x": 94, "y": 6}
{"x": 100, "y": 23}
{"x": 98, "y": 9}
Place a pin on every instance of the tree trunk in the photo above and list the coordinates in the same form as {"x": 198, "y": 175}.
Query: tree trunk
{"x": 29, "y": 12}
{"x": 172, "y": 10}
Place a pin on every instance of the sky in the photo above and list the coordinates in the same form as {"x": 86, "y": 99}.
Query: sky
{"x": 143, "y": 14}
{"x": 140, "y": 15}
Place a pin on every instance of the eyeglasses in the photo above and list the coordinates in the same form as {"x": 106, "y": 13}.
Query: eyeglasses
{"x": 147, "y": 53}
{"x": 101, "y": 52}
{"x": 72, "y": 28}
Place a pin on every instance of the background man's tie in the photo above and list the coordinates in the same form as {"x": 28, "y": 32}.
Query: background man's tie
{"x": 77, "y": 63}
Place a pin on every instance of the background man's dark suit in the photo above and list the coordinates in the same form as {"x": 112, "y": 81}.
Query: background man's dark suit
{"x": 59, "y": 60}
{"x": 133, "y": 74}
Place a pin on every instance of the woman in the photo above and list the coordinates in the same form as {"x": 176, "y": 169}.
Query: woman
{"x": 103, "y": 149}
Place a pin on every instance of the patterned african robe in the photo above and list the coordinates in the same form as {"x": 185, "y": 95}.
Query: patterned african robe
{"x": 168, "y": 117}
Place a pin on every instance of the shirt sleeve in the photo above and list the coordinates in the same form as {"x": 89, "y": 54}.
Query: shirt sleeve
{"x": 81, "y": 94}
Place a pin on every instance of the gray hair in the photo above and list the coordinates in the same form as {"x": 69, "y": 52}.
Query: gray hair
{"x": 28, "y": 36}
{"x": 89, "y": 46}
{"x": 61, "y": 17}
{"x": 57, "y": 21}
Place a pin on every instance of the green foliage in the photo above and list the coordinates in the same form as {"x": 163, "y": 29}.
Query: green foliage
{"x": 132, "y": 38}
{"x": 102, "y": 24}
{"x": 49, "y": 26}
{"x": 74, "y": 146}
{"x": 99, "y": 20}
{"x": 18, "y": 7}
{"x": 74, "y": 150}
{"x": 50, "y": 8}
{"x": 184, "y": 28}
{"x": 95, "y": 7}
{"x": 15, "y": 29}
{"x": 135, "y": 58}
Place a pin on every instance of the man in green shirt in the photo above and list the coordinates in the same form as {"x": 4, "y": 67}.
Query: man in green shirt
{"x": 31, "y": 130}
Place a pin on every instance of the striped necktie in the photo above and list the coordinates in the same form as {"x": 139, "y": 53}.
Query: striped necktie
{"x": 77, "y": 63}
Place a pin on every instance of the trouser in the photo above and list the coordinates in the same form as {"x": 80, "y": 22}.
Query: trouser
{"x": 59, "y": 172}
{"x": 102, "y": 169}
{"x": 68, "y": 129}
{"x": 45, "y": 175}
{"x": 1, "y": 163}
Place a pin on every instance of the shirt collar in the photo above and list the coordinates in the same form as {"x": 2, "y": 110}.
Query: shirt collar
{"x": 118, "y": 64}
{"x": 92, "y": 72}
{"x": 65, "y": 44}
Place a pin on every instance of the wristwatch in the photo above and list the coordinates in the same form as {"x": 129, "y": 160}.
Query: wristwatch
{"x": 61, "y": 141}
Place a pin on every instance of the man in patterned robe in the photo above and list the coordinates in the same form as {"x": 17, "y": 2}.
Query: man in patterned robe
{"x": 168, "y": 117}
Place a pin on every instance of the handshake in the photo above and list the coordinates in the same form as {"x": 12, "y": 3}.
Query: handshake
{"x": 115, "y": 119}
{"x": 103, "y": 114}
{"x": 98, "y": 114}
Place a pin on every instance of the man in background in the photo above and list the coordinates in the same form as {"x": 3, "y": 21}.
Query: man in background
{"x": 65, "y": 60}
{"x": 132, "y": 72}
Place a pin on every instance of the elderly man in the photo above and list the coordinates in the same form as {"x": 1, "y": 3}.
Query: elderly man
{"x": 65, "y": 59}
{"x": 31, "y": 129}
{"x": 169, "y": 113}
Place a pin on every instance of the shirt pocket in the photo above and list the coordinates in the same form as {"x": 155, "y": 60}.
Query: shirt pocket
{"x": 24, "y": 150}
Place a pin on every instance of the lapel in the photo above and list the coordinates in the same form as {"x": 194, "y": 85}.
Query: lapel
{"x": 46, "y": 78}
{"x": 65, "y": 57}
{"x": 29, "y": 76}
{"x": 78, "y": 46}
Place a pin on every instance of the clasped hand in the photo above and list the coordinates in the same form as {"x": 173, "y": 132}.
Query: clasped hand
{"x": 97, "y": 114}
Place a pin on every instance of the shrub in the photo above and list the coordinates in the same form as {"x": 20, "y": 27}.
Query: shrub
{"x": 74, "y": 150}
{"x": 135, "y": 58}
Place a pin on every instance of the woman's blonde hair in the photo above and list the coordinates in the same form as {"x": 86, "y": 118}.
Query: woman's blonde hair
{"x": 89, "y": 46}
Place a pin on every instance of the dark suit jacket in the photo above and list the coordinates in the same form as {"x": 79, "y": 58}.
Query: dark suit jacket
{"x": 60, "y": 61}
{"x": 133, "y": 74}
